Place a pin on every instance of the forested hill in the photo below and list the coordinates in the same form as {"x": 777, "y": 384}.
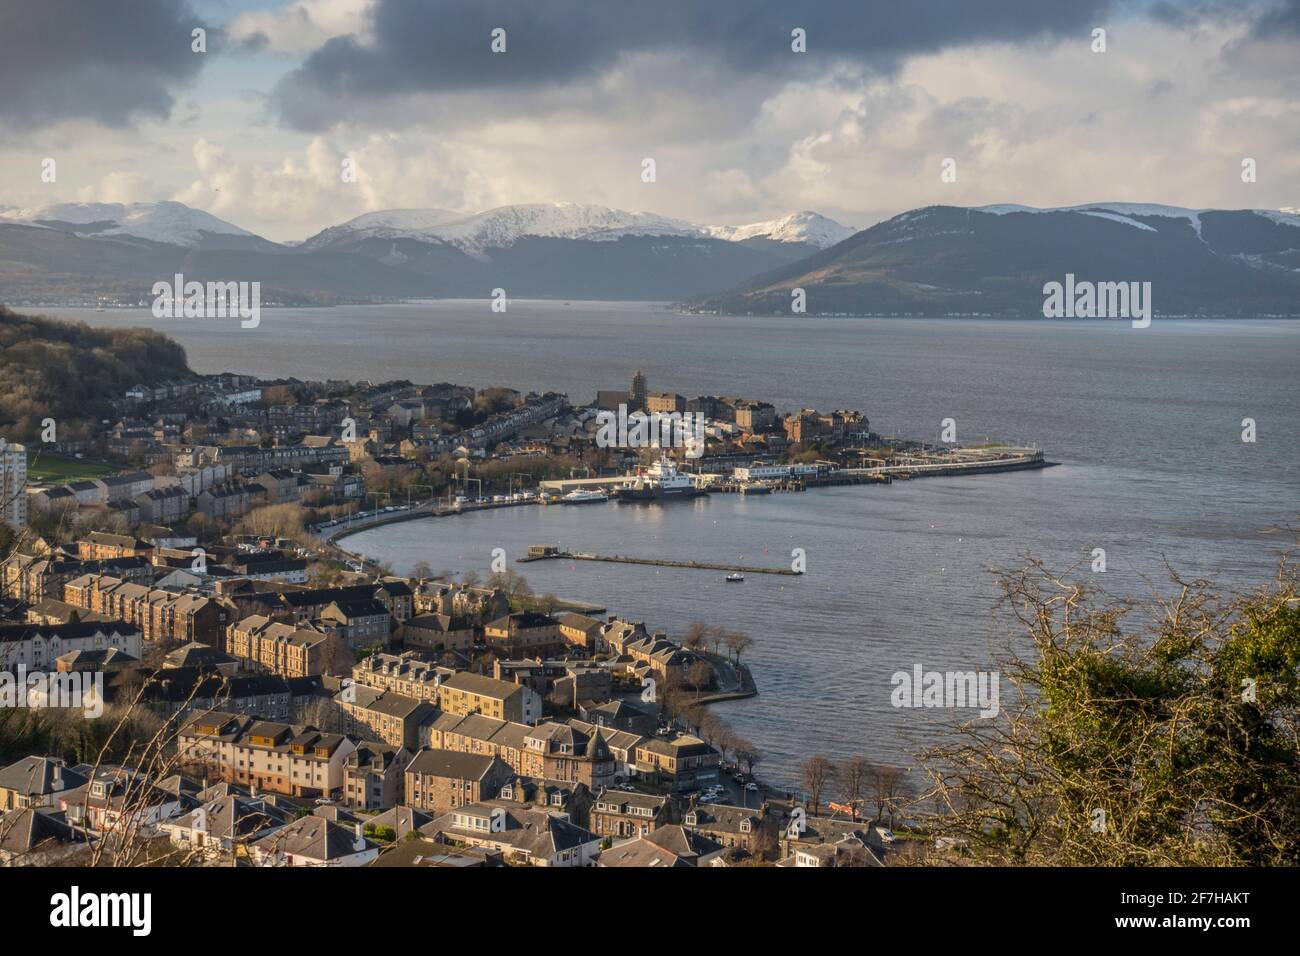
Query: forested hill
{"x": 70, "y": 372}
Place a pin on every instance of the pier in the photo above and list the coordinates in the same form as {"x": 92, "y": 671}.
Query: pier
{"x": 546, "y": 553}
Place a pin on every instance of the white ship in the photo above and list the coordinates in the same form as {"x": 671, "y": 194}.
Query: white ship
{"x": 583, "y": 497}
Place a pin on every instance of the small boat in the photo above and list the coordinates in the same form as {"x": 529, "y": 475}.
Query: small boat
{"x": 735, "y": 576}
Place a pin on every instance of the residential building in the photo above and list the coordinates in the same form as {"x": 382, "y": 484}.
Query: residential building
{"x": 37, "y": 646}
{"x": 437, "y": 632}
{"x": 405, "y": 675}
{"x": 442, "y": 780}
{"x": 669, "y": 846}
{"x": 682, "y": 762}
{"x": 743, "y": 828}
{"x": 465, "y": 693}
{"x": 281, "y": 758}
{"x": 374, "y": 775}
{"x": 315, "y": 841}
{"x": 13, "y": 484}
{"x": 580, "y": 630}
{"x": 555, "y": 751}
{"x": 363, "y": 623}
{"x": 621, "y": 814}
{"x": 278, "y": 647}
{"x": 383, "y": 715}
{"x": 522, "y": 835}
{"x": 160, "y": 615}
{"x": 36, "y": 782}
{"x": 100, "y": 544}
{"x": 524, "y": 634}
{"x": 220, "y": 825}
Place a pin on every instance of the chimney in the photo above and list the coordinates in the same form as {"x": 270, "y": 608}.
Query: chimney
{"x": 56, "y": 776}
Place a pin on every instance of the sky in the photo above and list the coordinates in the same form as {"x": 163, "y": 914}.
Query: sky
{"x": 259, "y": 127}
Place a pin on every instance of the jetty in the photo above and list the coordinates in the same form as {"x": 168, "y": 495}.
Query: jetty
{"x": 544, "y": 552}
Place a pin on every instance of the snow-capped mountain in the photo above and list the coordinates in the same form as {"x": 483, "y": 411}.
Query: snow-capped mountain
{"x": 808, "y": 228}
{"x": 502, "y": 227}
{"x": 172, "y": 223}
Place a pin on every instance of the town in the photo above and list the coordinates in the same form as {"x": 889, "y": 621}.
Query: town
{"x": 275, "y": 699}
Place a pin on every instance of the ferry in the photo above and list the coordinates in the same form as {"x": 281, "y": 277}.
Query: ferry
{"x": 657, "y": 482}
{"x": 583, "y": 497}
{"x": 735, "y": 576}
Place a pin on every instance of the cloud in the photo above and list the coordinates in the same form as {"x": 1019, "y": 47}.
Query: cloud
{"x": 302, "y": 25}
{"x": 124, "y": 186}
{"x": 110, "y": 62}
{"x": 422, "y": 47}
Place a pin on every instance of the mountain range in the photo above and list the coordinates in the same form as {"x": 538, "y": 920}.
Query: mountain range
{"x": 938, "y": 260}
{"x": 556, "y": 250}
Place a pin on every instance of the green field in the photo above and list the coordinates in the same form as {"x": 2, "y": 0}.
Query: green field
{"x": 43, "y": 468}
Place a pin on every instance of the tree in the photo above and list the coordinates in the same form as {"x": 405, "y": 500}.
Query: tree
{"x": 746, "y": 753}
{"x": 738, "y": 643}
{"x": 696, "y": 636}
{"x": 853, "y": 775}
{"x": 888, "y": 787}
{"x": 816, "y": 772}
{"x": 421, "y": 570}
{"x": 725, "y": 739}
{"x": 699, "y": 675}
{"x": 1161, "y": 732}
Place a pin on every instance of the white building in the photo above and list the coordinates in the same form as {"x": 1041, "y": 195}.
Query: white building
{"x": 13, "y": 484}
{"x": 37, "y": 646}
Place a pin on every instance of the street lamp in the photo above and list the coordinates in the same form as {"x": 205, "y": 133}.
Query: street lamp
{"x": 408, "y": 493}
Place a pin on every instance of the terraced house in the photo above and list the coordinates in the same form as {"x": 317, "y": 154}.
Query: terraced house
{"x": 405, "y": 675}
{"x": 554, "y": 751}
{"x": 38, "y": 646}
{"x": 620, "y": 814}
{"x": 383, "y": 715}
{"x": 280, "y": 648}
{"x": 160, "y": 615}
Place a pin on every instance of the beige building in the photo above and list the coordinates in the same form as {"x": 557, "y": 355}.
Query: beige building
{"x": 281, "y": 758}
{"x": 405, "y": 675}
{"x": 465, "y": 693}
{"x": 383, "y": 715}
{"x": 525, "y": 634}
{"x": 278, "y": 647}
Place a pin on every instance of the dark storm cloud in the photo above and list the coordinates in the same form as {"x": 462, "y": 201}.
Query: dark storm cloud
{"x": 107, "y": 60}
{"x": 1281, "y": 18}
{"x": 443, "y": 45}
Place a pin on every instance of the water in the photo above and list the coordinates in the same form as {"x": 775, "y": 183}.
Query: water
{"x": 1146, "y": 423}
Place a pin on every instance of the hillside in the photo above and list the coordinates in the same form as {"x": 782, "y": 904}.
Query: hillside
{"x": 947, "y": 260}
{"x": 71, "y": 372}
